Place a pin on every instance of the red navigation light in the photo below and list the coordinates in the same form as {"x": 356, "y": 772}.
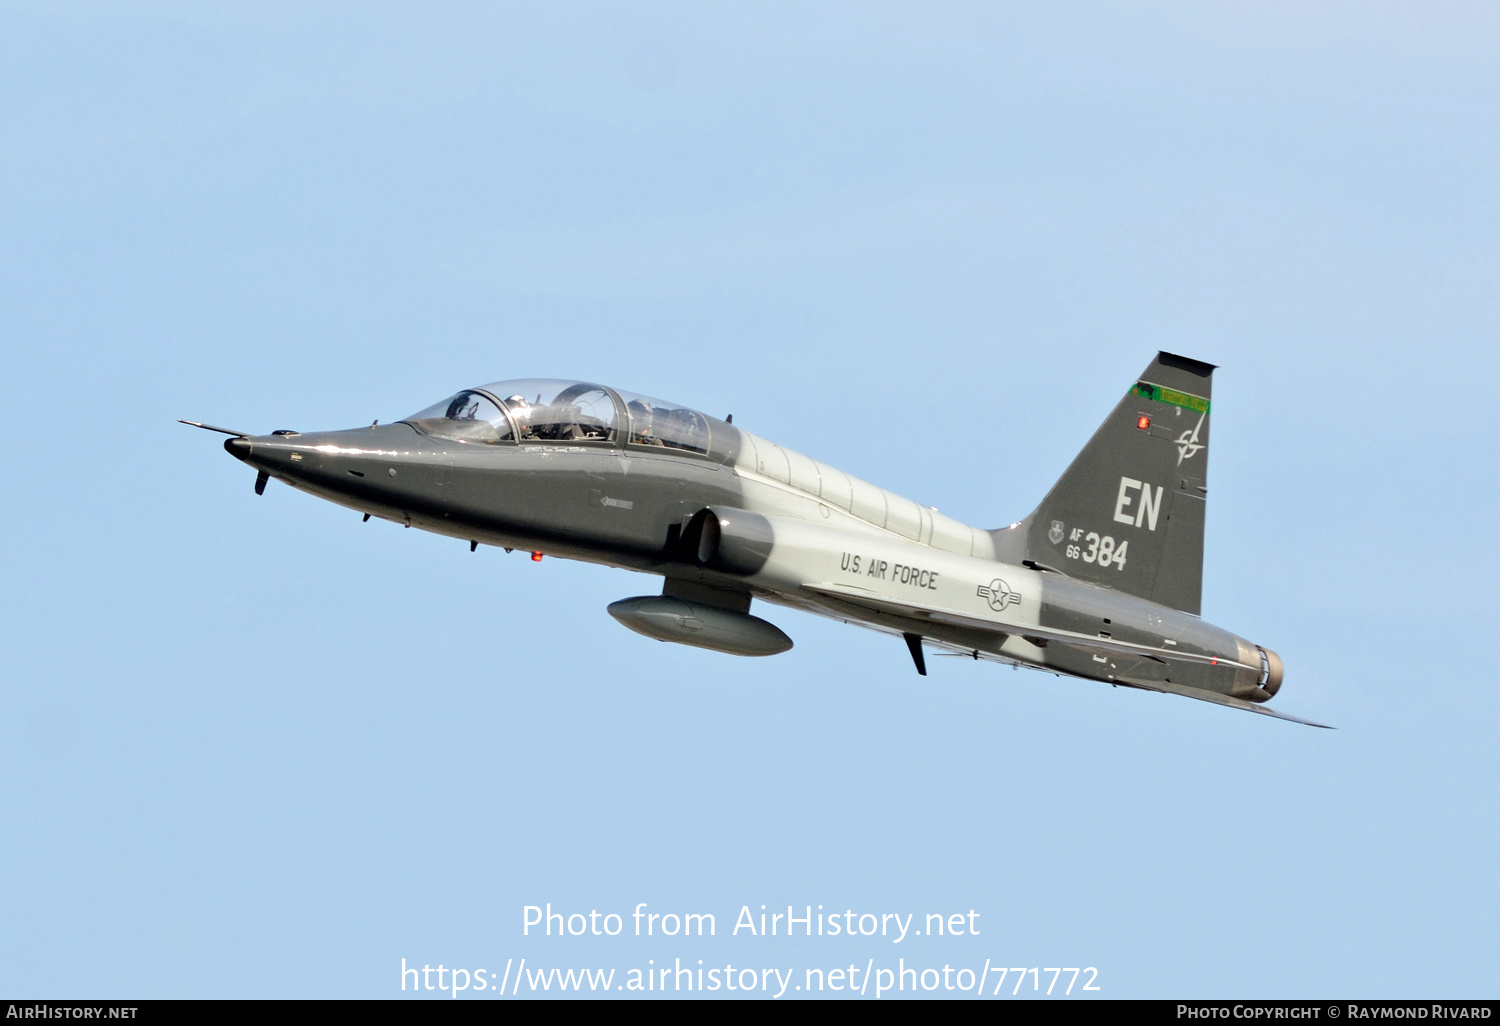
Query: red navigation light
{"x": 1143, "y": 422}
{"x": 536, "y": 557}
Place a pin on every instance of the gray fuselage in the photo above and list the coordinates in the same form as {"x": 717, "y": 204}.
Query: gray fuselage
{"x": 797, "y": 532}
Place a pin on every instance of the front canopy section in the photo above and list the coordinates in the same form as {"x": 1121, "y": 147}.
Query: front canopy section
{"x": 528, "y": 410}
{"x": 545, "y": 410}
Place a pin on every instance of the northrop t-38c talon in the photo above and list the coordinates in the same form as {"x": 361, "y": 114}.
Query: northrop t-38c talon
{"x": 1102, "y": 581}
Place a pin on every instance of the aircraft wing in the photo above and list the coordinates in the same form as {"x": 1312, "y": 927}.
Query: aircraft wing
{"x": 1086, "y": 642}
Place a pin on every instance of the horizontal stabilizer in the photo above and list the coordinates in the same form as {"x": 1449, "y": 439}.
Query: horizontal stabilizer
{"x": 1218, "y": 699}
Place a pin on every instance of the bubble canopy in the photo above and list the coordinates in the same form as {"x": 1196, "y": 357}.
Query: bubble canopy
{"x": 532, "y": 410}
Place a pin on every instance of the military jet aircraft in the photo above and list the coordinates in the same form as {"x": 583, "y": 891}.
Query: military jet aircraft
{"x": 1102, "y": 581}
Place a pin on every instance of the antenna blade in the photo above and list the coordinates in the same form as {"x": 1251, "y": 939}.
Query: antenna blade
{"x": 914, "y": 645}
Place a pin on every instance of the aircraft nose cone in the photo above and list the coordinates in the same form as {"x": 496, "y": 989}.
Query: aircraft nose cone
{"x": 237, "y": 447}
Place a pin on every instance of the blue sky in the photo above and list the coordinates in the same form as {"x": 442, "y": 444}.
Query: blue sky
{"x": 256, "y": 748}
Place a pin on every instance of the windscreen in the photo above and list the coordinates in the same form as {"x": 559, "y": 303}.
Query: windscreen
{"x": 469, "y": 416}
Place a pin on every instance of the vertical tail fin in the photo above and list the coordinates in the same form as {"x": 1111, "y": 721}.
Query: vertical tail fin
{"x": 1128, "y": 511}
